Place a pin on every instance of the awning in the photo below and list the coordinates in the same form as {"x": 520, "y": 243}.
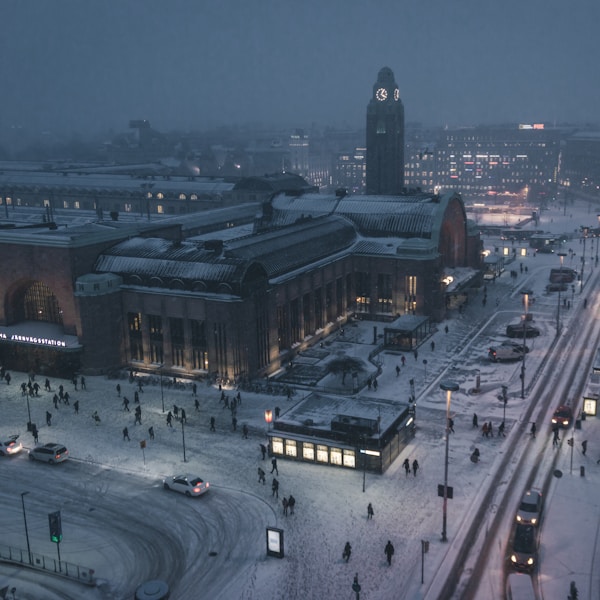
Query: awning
{"x": 38, "y": 333}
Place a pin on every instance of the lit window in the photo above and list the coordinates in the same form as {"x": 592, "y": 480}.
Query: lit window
{"x": 277, "y": 445}
{"x": 290, "y": 448}
{"x": 335, "y": 456}
{"x": 349, "y": 459}
{"x": 160, "y": 196}
{"x": 322, "y": 454}
{"x": 308, "y": 451}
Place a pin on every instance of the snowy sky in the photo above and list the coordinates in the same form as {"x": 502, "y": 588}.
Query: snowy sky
{"x": 79, "y": 66}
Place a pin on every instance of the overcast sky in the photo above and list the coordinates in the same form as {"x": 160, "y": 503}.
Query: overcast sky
{"x": 87, "y": 65}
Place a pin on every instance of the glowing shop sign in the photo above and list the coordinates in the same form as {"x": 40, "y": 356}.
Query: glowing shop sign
{"x": 31, "y": 339}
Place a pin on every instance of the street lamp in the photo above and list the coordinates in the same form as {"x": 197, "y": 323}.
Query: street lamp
{"x": 23, "y": 494}
{"x": 448, "y": 387}
{"x": 561, "y": 255}
{"x": 526, "y": 303}
{"x": 268, "y": 418}
{"x": 162, "y": 396}
{"x": 585, "y": 234}
{"x": 183, "y": 439}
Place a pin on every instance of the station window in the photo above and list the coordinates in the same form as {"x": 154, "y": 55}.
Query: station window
{"x": 308, "y": 451}
{"x": 277, "y": 445}
{"x": 335, "y": 456}
{"x": 322, "y": 454}
{"x": 350, "y": 459}
{"x": 290, "y": 448}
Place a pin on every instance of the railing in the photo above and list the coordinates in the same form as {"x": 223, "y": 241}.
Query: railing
{"x": 47, "y": 564}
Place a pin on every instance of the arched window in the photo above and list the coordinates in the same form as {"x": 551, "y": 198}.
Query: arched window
{"x": 40, "y": 304}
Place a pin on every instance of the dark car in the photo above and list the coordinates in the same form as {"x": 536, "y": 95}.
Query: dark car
{"x": 522, "y": 330}
{"x": 523, "y": 549}
{"x": 563, "y": 416}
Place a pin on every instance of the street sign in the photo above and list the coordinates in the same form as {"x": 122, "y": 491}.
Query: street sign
{"x": 449, "y": 493}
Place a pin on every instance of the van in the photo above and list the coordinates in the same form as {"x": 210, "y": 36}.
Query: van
{"x": 504, "y": 354}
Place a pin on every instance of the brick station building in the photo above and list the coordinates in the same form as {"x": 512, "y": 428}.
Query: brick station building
{"x": 236, "y": 299}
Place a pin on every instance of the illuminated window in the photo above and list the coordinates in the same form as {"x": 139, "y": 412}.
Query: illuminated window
{"x": 290, "y": 448}
{"x": 193, "y": 197}
{"x": 160, "y": 196}
{"x": 182, "y": 196}
{"x": 40, "y": 304}
{"x": 322, "y": 454}
{"x": 350, "y": 459}
{"x": 277, "y": 445}
{"x": 160, "y": 209}
{"x": 76, "y": 204}
{"x": 335, "y": 456}
{"x": 308, "y": 451}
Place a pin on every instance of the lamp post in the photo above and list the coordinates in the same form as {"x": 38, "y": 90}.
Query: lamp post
{"x": 585, "y": 234}
{"x": 561, "y": 255}
{"x": 28, "y": 413}
{"x": 162, "y": 396}
{"x": 597, "y": 239}
{"x": 526, "y": 303}
{"x": 23, "y": 494}
{"x": 268, "y": 418}
{"x": 448, "y": 387}
{"x": 183, "y": 439}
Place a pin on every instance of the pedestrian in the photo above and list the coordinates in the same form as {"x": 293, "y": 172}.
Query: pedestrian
{"x": 375, "y": 384}
{"x": 347, "y": 552}
{"x": 446, "y": 329}
{"x": 532, "y": 430}
{"x": 432, "y": 345}
{"x": 451, "y": 425}
{"x": 82, "y": 382}
{"x": 370, "y": 512}
{"x": 403, "y": 359}
{"x": 34, "y": 433}
{"x": 136, "y": 397}
{"x": 75, "y": 382}
{"x": 406, "y": 465}
{"x": 501, "y": 430}
{"x": 584, "y": 447}
{"x": 140, "y": 386}
{"x": 175, "y": 411}
{"x": 397, "y": 370}
{"x": 169, "y": 419}
{"x": 96, "y": 417}
{"x": 197, "y": 404}
{"x": 475, "y": 420}
{"x": 274, "y": 465}
{"x": 415, "y": 466}
{"x": 484, "y": 429}
{"x": 555, "y": 438}
{"x": 7, "y": 378}
{"x": 126, "y": 434}
{"x": 263, "y": 451}
{"x": 275, "y": 488}
{"x": 66, "y": 398}
{"x": 261, "y": 476}
{"x": 389, "y": 551}
{"x": 291, "y": 504}
{"x": 119, "y": 390}
{"x": 234, "y": 423}
{"x": 285, "y": 506}
{"x": 126, "y": 403}
{"x": 194, "y": 388}
{"x": 47, "y": 385}
{"x": 245, "y": 431}
{"x": 36, "y": 388}
{"x": 475, "y": 456}
{"x": 183, "y": 416}
{"x": 416, "y": 353}
{"x": 239, "y": 398}
{"x": 151, "y": 432}
{"x": 76, "y": 406}
{"x": 212, "y": 424}
{"x": 55, "y": 401}
{"x": 490, "y": 429}
{"x": 138, "y": 415}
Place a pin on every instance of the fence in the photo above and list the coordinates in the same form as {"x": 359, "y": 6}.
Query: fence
{"x": 47, "y": 564}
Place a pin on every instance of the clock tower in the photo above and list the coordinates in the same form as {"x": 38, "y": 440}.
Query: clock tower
{"x": 385, "y": 137}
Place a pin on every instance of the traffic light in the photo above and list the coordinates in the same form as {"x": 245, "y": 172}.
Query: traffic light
{"x": 55, "y": 526}
{"x": 570, "y": 441}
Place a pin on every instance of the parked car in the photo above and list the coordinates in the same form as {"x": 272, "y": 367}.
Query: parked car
{"x": 520, "y": 347}
{"x": 557, "y": 287}
{"x": 527, "y": 330}
{"x": 190, "y": 485}
{"x": 530, "y": 509}
{"x": 563, "y": 416}
{"x": 523, "y": 549}
{"x": 50, "y": 453}
{"x": 10, "y": 446}
{"x": 504, "y": 354}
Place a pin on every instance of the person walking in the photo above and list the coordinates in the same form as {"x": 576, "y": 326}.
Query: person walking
{"x": 76, "y": 407}
{"x": 234, "y": 423}
{"x": 126, "y": 434}
{"x": 274, "y": 465}
{"x": 389, "y": 552}
{"x": 263, "y": 451}
{"x": 82, "y": 383}
{"x": 291, "y": 504}
{"x": 138, "y": 415}
{"x": 96, "y": 417}
{"x": 212, "y": 424}
{"x": 347, "y": 552}
{"x": 432, "y": 345}
{"x": 415, "y": 466}
{"x": 55, "y": 401}
{"x": 403, "y": 360}
{"x": 245, "y": 431}
{"x": 451, "y": 425}
{"x": 175, "y": 411}
{"x": 151, "y": 432}
{"x": 370, "y": 512}
{"x": 261, "y": 476}
{"x": 490, "y": 429}
{"x": 136, "y": 397}
{"x": 475, "y": 425}
{"x": 119, "y": 389}
{"x": 532, "y": 430}
{"x": 275, "y": 488}
{"x": 34, "y": 432}
{"x": 194, "y": 388}
{"x": 47, "y": 385}
{"x": 183, "y": 416}
{"x": 126, "y": 403}
{"x": 284, "y": 502}
{"x": 74, "y": 380}
{"x": 501, "y": 429}
{"x": 584, "y": 447}
{"x": 406, "y": 465}
{"x": 169, "y": 419}
{"x": 48, "y": 418}
{"x": 555, "y": 438}
{"x": 197, "y": 405}
{"x": 66, "y": 398}
{"x": 397, "y": 370}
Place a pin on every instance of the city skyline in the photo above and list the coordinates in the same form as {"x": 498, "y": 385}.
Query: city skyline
{"x": 86, "y": 68}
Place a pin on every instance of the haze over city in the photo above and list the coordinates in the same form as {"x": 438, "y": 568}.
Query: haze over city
{"x": 82, "y": 67}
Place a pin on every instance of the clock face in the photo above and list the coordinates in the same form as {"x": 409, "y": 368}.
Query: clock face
{"x": 381, "y": 94}
{"x": 396, "y": 94}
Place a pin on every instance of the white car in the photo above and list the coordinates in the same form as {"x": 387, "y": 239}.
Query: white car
{"x": 50, "y": 453}
{"x": 190, "y": 485}
{"x": 10, "y": 446}
{"x": 530, "y": 509}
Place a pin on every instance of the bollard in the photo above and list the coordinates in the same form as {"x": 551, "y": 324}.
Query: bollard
{"x": 582, "y": 471}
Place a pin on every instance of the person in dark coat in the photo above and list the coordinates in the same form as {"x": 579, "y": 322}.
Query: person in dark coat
{"x": 183, "y": 416}
{"x": 274, "y": 465}
{"x": 291, "y": 504}
{"x": 245, "y": 431}
{"x": 370, "y": 512}
{"x": 151, "y": 432}
{"x": 76, "y": 407}
{"x": 389, "y": 552}
{"x": 475, "y": 420}
{"x": 48, "y": 418}
{"x": 197, "y": 404}
{"x": 532, "y": 430}
{"x": 347, "y": 552}
{"x": 275, "y": 488}
{"x": 284, "y": 502}
{"x": 415, "y": 466}
{"x": 406, "y": 465}
{"x": 261, "y": 476}
{"x": 263, "y": 450}
{"x": 119, "y": 390}
{"x": 126, "y": 434}
{"x": 212, "y": 424}
{"x": 169, "y": 419}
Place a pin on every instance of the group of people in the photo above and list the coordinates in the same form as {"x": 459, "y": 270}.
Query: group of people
{"x": 415, "y": 466}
